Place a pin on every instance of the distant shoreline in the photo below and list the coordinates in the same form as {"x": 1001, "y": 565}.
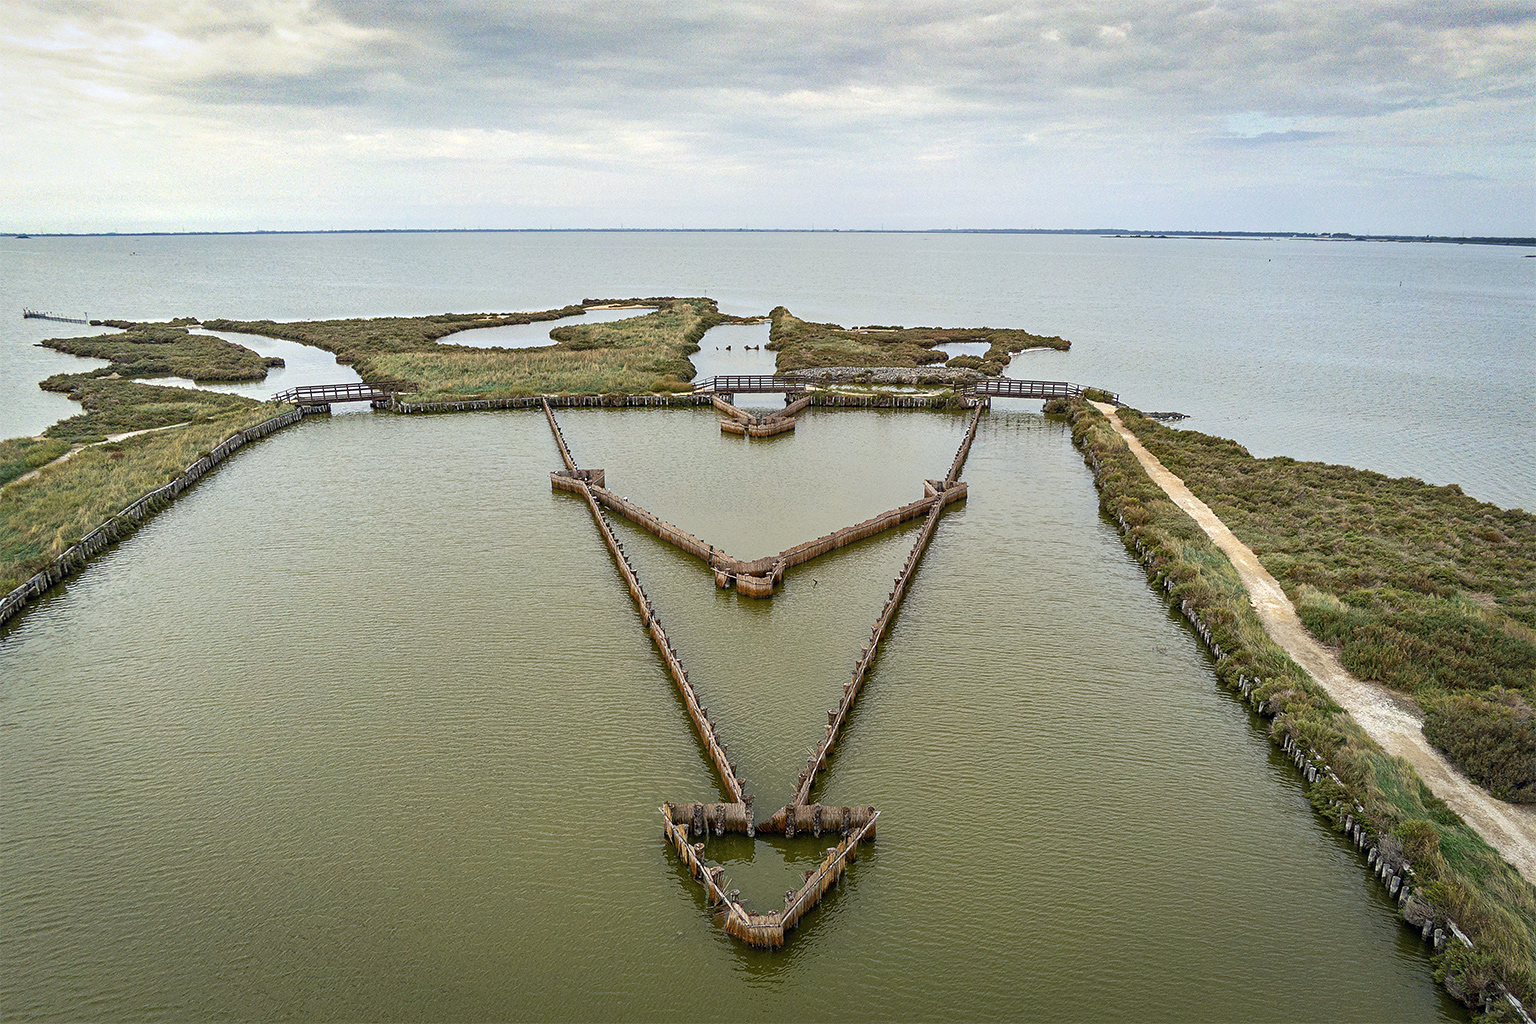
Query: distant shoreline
{"x": 1338, "y": 236}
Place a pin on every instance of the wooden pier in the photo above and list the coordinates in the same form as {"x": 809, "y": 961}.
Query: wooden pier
{"x": 32, "y": 314}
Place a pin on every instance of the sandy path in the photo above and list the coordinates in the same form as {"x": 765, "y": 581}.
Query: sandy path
{"x": 77, "y": 449}
{"x": 1384, "y": 715}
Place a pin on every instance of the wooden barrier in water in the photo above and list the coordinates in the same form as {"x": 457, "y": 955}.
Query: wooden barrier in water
{"x": 741, "y": 422}
{"x": 766, "y": 930}
{"x": 75, "y": 557}
{"x": 964, "y": 450}
{"x": 684, "y": 820}
{"x": 758, "y": 577}
{"x": 718, "y": 752}
{"x": 558, "y": 401}
{"x": 851, "y": 689}
{"x": 565, "y": 452}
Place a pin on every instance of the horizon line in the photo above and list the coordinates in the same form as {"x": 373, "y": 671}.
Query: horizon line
{"x": 1143, "y": 233}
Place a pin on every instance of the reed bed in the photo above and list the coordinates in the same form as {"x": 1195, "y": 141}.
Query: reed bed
{"x": 20, "y": 455}
{"x": 355, "y": 339}
{"x": 1381, "y": 798}
{"x": 120, "y": 406}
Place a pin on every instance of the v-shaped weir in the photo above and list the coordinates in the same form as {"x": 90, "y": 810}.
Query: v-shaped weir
{"x": 682, "y": 821}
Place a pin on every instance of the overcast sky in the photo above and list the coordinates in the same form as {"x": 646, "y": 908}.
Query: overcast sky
{"x": 1403, "y": 117}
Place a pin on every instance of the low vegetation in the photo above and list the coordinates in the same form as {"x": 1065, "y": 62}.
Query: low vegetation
{"x": 19, "y": 455}
{"x": 1452, "y": 867}
{"x": 163, "y": 350}
{"x": 646, "y": 353}
{"x": 119, "y": 406}
{"x": 1421, "y": 588}
{"x": 356, "y": 341}
{"x": 41, "y": 517}
{"x": 802, "y": 344}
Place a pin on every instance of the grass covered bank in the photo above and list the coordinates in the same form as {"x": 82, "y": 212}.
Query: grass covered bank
{"x": 643, "y": 354}
{"x": 1453, "y": 873}
{"x": 43, "y": 516}
{"x": 802, "y": 344}
{"x": 1421, "y": 588}
{"x": 119, "y": 406}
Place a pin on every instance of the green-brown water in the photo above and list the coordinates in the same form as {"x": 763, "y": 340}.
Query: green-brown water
{"x": 365, "y": 728}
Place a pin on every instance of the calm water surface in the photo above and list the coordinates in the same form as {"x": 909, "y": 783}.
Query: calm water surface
{"x": 364, "y": 727}
{"x": 1411, "y": 359}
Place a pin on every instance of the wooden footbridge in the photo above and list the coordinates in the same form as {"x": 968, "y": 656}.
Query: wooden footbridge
{"x": 682, "y": 822}
{"x": 989, "y": 387}
{"x": 325, "y": 394}
{"x": 1007, "y": 387}
{"x": 726, "y": 386}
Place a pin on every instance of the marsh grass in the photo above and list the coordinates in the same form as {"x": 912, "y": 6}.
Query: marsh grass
{"x": 1422, "y": 588}
{"x": 356, "y": 339}
{"x": 803, "y": 344}
{"x": 41, "y": 517}
{"x": 163, "y": 350}
{"x": 642, "y": 354}
{"x": 120, "y": 406}
{"x": 1453, "y": 867}
{"x": 19, "y": 455}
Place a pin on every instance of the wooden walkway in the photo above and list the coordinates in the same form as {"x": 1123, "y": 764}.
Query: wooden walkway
{"x": 1007, "y": 387}
{"x": 748, "y": 385}
{"x": 325, "y": 394}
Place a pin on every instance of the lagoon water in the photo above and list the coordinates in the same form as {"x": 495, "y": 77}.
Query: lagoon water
{"x": 364, "y": 726}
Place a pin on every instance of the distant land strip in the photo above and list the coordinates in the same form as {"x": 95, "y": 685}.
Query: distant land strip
{"x": 1320, "y": 236}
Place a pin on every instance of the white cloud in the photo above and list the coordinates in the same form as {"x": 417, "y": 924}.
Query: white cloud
{"x": 771, "y": 110}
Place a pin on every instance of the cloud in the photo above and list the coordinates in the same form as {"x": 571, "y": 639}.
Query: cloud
{"x": 983, "y": 87}
{"x": 1266, "y": 138}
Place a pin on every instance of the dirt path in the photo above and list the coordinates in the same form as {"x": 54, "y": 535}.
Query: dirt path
{"x": 77, "y": 449}
{"x": 1385, "y": 716}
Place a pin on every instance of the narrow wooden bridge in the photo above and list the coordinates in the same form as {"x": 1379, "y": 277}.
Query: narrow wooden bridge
{"x": 1004, "y": 387}
{"x": 748, "y": 385}
{"x": 325, "y": 394}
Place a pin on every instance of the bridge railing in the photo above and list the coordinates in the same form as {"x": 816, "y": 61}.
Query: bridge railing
{"x": 748, "y": 384}
{"x": 1007, "y": 387}
{"x": 319, "y": 394}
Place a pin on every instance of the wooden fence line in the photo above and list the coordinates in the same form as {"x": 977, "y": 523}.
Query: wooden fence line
{"x": 851, "y": 689}
{"x": 965, "y": 448}
{"x": 557, "y": 401}
{"x": 719, "y": 753}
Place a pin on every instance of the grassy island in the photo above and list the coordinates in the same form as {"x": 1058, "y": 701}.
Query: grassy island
{"x": 802, "y": 344}
{"x": 1453, "y": 867}
{"x": 647, "y": 353}
{"x": 162, "y": 350}
{"x": 1421, "y": 588}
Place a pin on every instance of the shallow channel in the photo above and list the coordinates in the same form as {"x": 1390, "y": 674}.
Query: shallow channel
{"x": 365, "y": 727}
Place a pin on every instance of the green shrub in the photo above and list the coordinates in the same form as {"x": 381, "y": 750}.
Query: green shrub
{"x": 1493, "y": 738}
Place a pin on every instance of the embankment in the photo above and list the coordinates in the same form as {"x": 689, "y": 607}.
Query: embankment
{"x": 1448, "y": 882}
{"x": 118, "y": 526}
